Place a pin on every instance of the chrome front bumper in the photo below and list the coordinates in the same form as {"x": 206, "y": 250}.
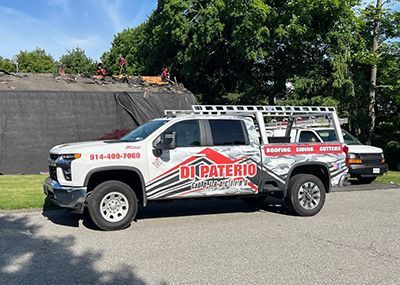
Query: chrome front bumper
{"x": 65, "y": 196}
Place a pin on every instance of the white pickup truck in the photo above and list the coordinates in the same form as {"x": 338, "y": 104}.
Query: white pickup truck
{"x": 210, "y": 151}
{"x": 365, "y": 162}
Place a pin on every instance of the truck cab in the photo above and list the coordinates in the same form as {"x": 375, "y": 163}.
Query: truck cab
{"x": 210, "y": 151}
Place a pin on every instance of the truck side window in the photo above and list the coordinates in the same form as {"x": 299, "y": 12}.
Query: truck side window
{"x": 187, "y": 133}
{"x": 228, "y": 132}
{"x": 307, "y": 136}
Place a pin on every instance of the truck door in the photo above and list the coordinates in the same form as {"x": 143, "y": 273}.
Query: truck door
{"x": 234, "y": 147}
{"x": 211, "y": 158}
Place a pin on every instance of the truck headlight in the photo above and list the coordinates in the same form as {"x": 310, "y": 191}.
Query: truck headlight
{"x": 354, "y": 158}
{"x": 382, "y": 158}
{"x": 71, "y": 156}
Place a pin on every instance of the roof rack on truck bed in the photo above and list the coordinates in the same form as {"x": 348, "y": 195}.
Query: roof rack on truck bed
{"x": 305, "y": 123}
{"x": 264, "y": 114}
{"x": 247, "y": 109}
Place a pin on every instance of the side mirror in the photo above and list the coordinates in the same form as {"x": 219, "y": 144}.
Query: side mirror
{"x": 168, "y": 141}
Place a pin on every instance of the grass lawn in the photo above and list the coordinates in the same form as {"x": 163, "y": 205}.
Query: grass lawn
{"x": 21, "y": 191}
{"x": 26, "y": 191}
{"x": 390, "y": 177}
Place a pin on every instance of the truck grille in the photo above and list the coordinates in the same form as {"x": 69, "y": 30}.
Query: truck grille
{"x": 371, "y": 158}
{"x": 53, "y": 172}
{"x": 54, "y": 156}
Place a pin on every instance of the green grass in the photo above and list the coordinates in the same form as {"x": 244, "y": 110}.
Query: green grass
{"x": 26, "y": 191}
{"x": 21, "y": 191}
{"x": 390, "y": 177}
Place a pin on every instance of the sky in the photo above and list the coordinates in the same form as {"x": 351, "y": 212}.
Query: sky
{"x": 59, "y": 25}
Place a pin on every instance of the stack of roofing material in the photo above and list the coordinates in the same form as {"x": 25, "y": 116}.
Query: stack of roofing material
{"x": 31, "y": 122}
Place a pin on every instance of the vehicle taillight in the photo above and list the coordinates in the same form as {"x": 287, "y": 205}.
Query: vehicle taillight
{"x": 346, "y": 151}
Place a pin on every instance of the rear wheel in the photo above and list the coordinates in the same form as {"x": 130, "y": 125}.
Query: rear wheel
{"x": 112, "y": 205}
{"x": 365, "y": 180}
{"x": 306, "y": 194}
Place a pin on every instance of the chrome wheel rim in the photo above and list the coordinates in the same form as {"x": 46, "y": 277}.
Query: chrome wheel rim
{"x": 309, "y": 195}
{"x": 114, "y": 207}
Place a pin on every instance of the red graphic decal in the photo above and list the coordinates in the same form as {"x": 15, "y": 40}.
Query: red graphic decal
{"x": 213, "y": 171}
{"x": 298, "y": 149}
{"x": 218, "y": 171}
{"x": 209, "y": 153}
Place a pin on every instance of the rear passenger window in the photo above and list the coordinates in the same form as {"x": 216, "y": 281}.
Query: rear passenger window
{"x": 307, "y": 136}
{"x": 228, "y": 132}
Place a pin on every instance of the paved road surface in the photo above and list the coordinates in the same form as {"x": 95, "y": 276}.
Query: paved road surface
{"x": 354, "y": 240}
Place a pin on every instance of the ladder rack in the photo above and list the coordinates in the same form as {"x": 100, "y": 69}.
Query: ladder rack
{"x": 304, "y": 123}
{"x": 273, "y": 111}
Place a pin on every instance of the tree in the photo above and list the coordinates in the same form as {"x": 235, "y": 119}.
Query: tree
{"x": 75, "y": 61}
{"x": 387, "y": 130}
{"x": 6, "y": 65}
{"x": 36, "y": 61}
{"x": 127, "y": 43}
{"x": 253, "y": 49}
{"x": 380, "y": 27}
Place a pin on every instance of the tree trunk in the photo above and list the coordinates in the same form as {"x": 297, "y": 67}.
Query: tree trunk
{"x": 374, "y": 69}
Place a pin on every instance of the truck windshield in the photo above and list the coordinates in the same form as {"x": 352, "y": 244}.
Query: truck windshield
{"x": 349, "y": 138}
{"x": 143, "y": 131}
{"x": 329, "y": 135}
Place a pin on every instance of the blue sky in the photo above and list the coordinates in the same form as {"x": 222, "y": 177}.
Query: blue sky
{"x": 58, "y": 25}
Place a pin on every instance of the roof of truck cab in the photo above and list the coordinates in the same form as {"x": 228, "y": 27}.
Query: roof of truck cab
{"x": 208, "y": 117}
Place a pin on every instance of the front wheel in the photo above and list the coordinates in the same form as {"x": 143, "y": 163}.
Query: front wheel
{"x": 306, "y": 194}
{"x": 112, "y": 205}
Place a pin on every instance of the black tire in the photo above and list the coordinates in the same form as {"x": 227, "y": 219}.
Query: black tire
{"x": 115, "y": 194}
{"x": 365, "y": 180}
{"x": 306, "y": 205}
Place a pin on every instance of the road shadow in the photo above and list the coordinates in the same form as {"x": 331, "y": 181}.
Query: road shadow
{"x": 64, "y": 217}
{"x": 28, "y": 257}
{"x": 175, "y": 208}
{"x": 179, "y": 208}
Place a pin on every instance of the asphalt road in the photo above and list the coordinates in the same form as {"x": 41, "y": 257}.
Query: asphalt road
{"x": 355, "y": 239}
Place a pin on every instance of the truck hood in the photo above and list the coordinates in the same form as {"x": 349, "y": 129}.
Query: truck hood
{"x": 81, "y": 146}
{"x": 360, "y": 148}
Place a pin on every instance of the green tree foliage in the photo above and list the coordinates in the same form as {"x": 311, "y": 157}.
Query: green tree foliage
{"x": 6, "y": 65}
{"x": 249, "y": 48}
{"x": 291, "y": 52}
{"x": 128, "y": 44}
{"x": 36, "y": 61}
{"x": 387, "y": 133}
{"x": 75, "y": 61}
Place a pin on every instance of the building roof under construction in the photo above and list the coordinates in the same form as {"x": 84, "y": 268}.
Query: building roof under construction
{"x": 73, "y": 83}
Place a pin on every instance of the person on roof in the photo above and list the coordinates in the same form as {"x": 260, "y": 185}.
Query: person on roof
{"x": 122, "y": 64}
{"x": 165, "y": 74}
{"x": 100, "y": 71}
{"x": 60, "y": 69}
